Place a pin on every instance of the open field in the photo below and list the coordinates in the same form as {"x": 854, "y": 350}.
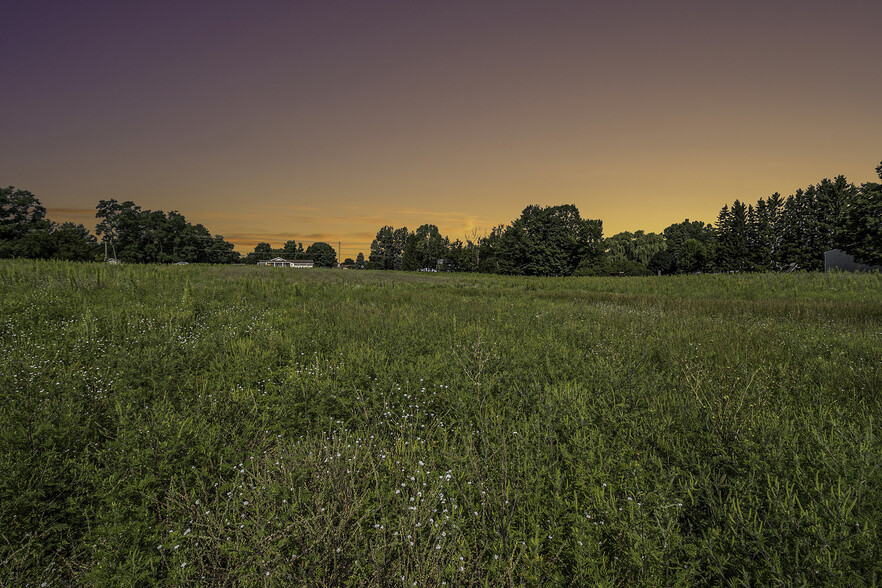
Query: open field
{"x": 241, "y": 426}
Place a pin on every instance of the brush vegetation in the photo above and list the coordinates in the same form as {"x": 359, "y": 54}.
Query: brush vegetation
{"x": 229, "y": 426}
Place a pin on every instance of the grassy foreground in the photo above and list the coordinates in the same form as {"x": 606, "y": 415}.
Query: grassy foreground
{"x": 248, "y": 426}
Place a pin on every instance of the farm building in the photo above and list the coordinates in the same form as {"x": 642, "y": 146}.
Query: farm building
{"x": 842, "y": 261}
{"x": 281, "y": 262}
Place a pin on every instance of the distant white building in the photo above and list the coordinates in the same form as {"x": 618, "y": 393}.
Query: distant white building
{"x": 281, "y": 262}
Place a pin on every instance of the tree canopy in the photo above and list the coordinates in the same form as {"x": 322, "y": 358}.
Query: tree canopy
{"x": 549, "y": 241}
{"x": 322, "y": 255}
{"x": 861, "y": 233}
{"x": 152, "y": 236}
{"x": 772, "y": 234}
{"x": 26, "y": 232}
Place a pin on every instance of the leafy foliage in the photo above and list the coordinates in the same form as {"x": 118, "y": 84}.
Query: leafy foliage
{"x": 387, "y": 249}
{"x": 773, "y": 234}
{"x": 626, "y": 254}
{"x": 145, "y": 236}
{"x": 549, "y": 241}
{"x": 675, "y": 236}
{"x": 322, "y": 254}
{"x": 424, "y": 248}
{"x": 20, "y": 214}
{"x": 26, "y": 232}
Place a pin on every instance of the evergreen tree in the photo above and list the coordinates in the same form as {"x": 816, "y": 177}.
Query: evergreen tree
{"x": 796, "y": 235}
{"x": 861, "y": 228}
{"x": 732, "y": 251}
{"x": 813, "y": 221}
{"x": 764, "y": 222}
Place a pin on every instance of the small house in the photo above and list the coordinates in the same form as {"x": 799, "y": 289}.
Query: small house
{"x": 281, "y": 262}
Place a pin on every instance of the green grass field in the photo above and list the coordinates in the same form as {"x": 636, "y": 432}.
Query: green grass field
{"x": 248, "y": 426}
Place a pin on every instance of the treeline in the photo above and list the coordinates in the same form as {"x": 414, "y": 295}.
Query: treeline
{"x": 134, "y": 235}
{"x": 321, "y": 254}
{"x": 26, "y": 232}
{"x": 549, "y": 241}
{"x": 128, "y": 233}
{"x": 773, "y": 234}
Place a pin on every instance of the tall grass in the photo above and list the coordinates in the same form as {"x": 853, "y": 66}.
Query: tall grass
{"x": 242, "y": 425}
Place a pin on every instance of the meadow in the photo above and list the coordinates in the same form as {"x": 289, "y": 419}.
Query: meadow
{"x": 222, "y": 425}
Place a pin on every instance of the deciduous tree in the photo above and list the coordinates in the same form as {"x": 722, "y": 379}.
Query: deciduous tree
{"x": 549, "y": 241}
{"x": 322, "y": 255}
{"x": 24, "y": 229}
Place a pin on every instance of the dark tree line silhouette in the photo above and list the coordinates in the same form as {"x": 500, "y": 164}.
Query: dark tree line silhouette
{"x": 773, "y": 234}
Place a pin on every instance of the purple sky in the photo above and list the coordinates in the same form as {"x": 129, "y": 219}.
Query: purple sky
{"x": 326, "y": 120}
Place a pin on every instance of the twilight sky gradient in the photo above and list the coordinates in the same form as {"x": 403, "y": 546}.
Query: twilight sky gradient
{"x": 325, "y": 120}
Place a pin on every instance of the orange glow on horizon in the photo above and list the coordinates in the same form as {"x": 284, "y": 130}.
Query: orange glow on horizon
{"x": 457, "y": 114}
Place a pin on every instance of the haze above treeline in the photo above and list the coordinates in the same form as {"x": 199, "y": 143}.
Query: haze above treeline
{"x": 324, "y": 121}
{"x": 772, "y": 234}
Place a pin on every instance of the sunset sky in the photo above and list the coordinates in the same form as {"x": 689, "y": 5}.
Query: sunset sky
{"x": 324, "y": 120}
